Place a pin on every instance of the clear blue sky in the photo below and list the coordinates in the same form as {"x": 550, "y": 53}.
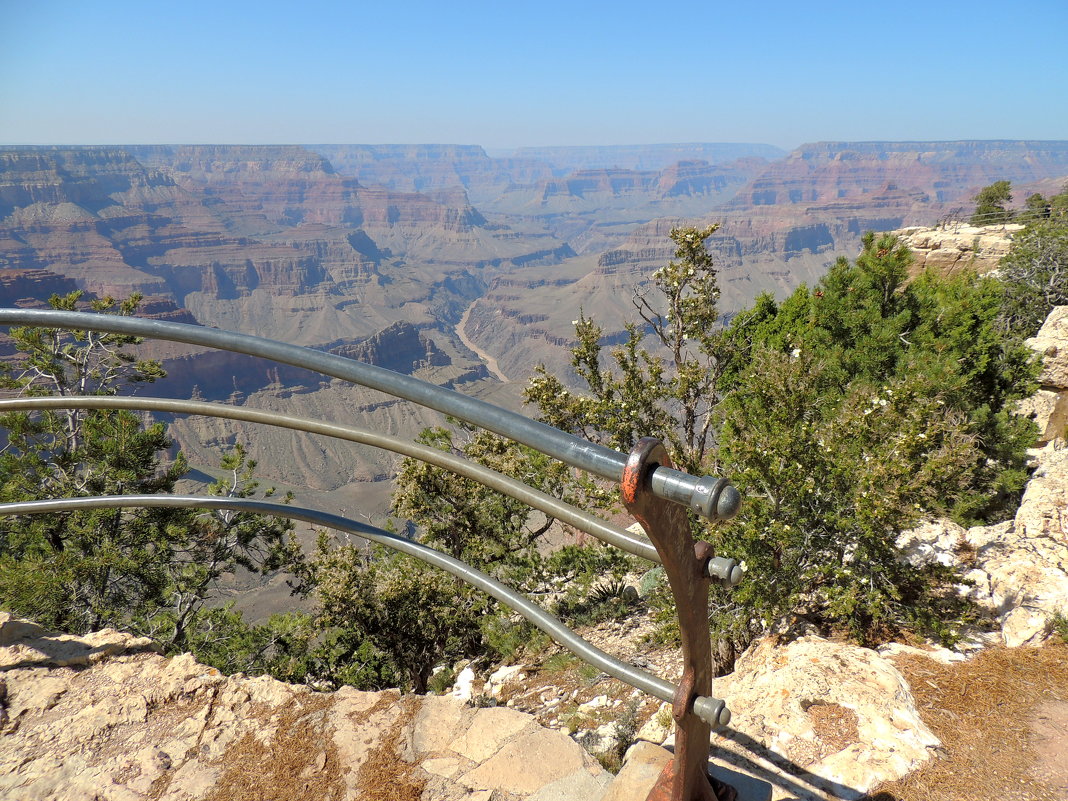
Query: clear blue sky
{"x": 536, "y": 72}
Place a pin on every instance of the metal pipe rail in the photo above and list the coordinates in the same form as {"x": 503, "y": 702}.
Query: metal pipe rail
{"x": 584, "y": 521}
{"x": 710, "y": 497}
{"x": 709, "y": 709}
{"x": 724, "y": 571}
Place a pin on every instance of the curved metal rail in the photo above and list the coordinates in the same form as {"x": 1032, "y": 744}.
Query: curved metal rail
{"x": 584, "y": 521}
{"x": 711, "y": 497}
{"x": 711, "y": 710}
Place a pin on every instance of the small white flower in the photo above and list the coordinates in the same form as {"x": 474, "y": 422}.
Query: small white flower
{"x": 795, "y": 352}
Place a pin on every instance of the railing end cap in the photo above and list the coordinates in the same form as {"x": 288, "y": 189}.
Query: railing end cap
{"x": 730, "y": 501}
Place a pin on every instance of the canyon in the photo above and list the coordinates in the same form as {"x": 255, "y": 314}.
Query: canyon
{"x": 439, "y": 261}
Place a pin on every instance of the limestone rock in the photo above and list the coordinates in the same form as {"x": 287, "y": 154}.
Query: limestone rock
{"x": 1049, "y": 409}
{"x": 957, "y": 246}
{"x": 1049, "y": 406}
{"x": 1051, "y": 343}
{"x": 641, "y": 768}
{"x": 1019, "y": 569}
{"x": 462, "y": 689}
{"x": 1055, "y": 326}
{"x": 501, "y": 676}
{"x": 1023, "y": 626}
{"x": 840, "y": 715}
{"x": 106, "y": 717}
{"x": 658, "y": 727}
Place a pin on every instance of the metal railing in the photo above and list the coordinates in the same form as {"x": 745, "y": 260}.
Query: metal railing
{"x": 652, "y": 491}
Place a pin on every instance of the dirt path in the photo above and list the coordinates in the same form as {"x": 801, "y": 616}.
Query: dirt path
{"x": 491, "y": 363}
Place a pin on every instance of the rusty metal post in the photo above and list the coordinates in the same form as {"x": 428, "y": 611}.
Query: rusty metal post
{"x": 685, "y": 562}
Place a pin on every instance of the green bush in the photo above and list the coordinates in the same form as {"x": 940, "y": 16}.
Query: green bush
{"x": 845, "y": 413}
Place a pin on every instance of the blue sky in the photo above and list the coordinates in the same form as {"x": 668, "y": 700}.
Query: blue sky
{"x": 506, "y": 74}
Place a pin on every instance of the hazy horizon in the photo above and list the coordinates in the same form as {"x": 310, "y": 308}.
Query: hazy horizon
{"x": 557, "y": 74}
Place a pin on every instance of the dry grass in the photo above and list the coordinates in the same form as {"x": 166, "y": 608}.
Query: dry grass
{"x": 835, "y": 726}
{"x": 385, "y": 776}
{"x": 298, "y": 762}
{"x": 1003, "y": 721}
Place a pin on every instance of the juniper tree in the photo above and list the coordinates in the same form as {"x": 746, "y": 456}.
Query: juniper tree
{"x": 146, "y": 570}
{"x": 670, "y": 392}
{"x": 1035, "y": 272}
{"x": 992, "y": 204}
{"x": 844, "y": 413}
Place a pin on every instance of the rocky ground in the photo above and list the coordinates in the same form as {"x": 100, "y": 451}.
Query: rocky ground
{"x": 105, "y": 717}
{"x": 819, "y": 719}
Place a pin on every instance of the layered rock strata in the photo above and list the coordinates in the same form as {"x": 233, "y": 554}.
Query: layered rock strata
{"x": 955, "y": 247}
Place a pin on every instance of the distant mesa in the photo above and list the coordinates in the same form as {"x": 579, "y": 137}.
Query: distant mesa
{"x": 567, "y": 159}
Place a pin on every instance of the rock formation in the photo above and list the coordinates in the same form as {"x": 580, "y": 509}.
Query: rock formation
{"x": 105, "y": 717}
{"x": 954, "y": 247}
{"x": 263, "y": 240}
{"x": 430, "y": 168}
{"x": 821, "y": 717}
{"x": 1018, "y": 569}
{"x": 566, "y": 159}
{"x": 1049, "y": 406}
{"x": 947, "y": 172}
{"x": 332, "y": 246}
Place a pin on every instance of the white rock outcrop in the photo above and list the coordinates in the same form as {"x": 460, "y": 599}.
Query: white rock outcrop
{"x": 829, "y": 719}
{"x": 1051, "y": 343}
{"x": 1049, "y": 406}
{"x": 1019, "y": 568}
{"x": 957, "y": 246}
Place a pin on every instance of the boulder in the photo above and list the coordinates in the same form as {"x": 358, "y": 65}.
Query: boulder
{"x": 1023, "y": 626}
{"x": 498, "y": 678}
{"x": 1049, "y": 409}
{"x": 641, "y": 768}
{"x": 462, "y": 689}
{"x": 830, "y": 719}
{"x": 658, "y": 727}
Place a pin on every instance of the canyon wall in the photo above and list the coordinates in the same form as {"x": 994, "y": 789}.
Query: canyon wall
{"x": 380, "y": 251}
